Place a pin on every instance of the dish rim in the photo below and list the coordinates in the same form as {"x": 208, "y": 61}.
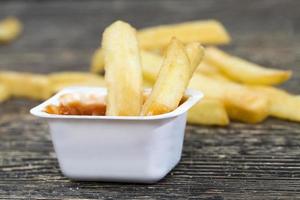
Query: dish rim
{"x": 193, "y": 98}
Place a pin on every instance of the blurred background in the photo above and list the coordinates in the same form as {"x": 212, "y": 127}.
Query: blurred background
{"x": 62, "y": 35}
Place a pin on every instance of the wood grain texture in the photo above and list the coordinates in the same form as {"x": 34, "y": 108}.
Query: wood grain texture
{"x": 236, "y": 162}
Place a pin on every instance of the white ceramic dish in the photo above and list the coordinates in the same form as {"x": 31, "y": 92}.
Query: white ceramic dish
{"x": 114, "y": 148}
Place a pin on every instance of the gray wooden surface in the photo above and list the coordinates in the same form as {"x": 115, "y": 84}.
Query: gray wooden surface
{"x": 235, "y": 162}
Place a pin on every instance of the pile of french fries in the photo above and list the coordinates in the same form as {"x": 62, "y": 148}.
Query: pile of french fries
{"x": 124, "y": 75}
{"x": 234, "y": 89}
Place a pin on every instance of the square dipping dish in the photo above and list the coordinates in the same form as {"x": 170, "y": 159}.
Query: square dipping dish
{"x": 141, "y": 149}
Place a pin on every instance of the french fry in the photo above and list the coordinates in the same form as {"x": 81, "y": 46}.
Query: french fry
{"x": 123, "y": 70}
{"x": 195, "y": 54}
{"x": 97, "y": 62}
{"x": 61, "y": 80}
{"x": 208, "y": 112}
{"x": 32, "y": 86}
{"x": 207, "y": 69}
{"x": 243, "y": 71}
{"x": 282, "y": 104}
{"x": 211, "y": 71}
{"x": 10, "y": 29}
{"x": 241, "y": 103}
{"x": 4, "y": 93}
{"x": 203, "y": 31}
{"x": 151, "y": 63}
{"x": 171, "y": 82}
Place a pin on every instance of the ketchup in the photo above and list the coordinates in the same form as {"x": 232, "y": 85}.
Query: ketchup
{"x": 78, "y": 104}
{"x": 83, "y": 104}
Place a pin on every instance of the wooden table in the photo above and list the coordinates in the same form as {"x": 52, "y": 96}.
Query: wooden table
{"x": 236, "y": 162}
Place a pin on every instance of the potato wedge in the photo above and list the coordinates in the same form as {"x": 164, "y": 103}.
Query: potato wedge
{"x": 10, "y": 29}
{"x": 241, "y": 103}
{"x": 243, "y": 71}
{"x": 60, "y": 80}
{"x": 171, "y": 82}
{"x": 33, "y": 86}
{"x": 4, "y": 93}
{"x": 203, "y": 31}
{"x": 97, "y": 62}
{"x": 282, "y": 104}
{"x": 208, "y": 112}
{"x": 123, "y": 70}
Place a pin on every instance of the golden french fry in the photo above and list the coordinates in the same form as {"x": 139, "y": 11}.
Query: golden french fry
{"x": 241, "y": 103}
{"x": 33, "y": 86}
{"x": 171, "y": 82}
{"x": 195, "y": 54}
{"x": 60, "y": 80}
{"x": 207, "y": 69}
{"x": 4, "y": 93}
{"x": 243, "y": 71}
{"x": 208, "y": 112}
{"x": 203, "y": 31}
{"x": 151, "y": 63}
{"x": 282, "y": 104}
{"x": 211, "y": 71}
{"x": 97, "y": 62}
{"x": 123, "y": 70}
{"x": 10, "y": 29}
